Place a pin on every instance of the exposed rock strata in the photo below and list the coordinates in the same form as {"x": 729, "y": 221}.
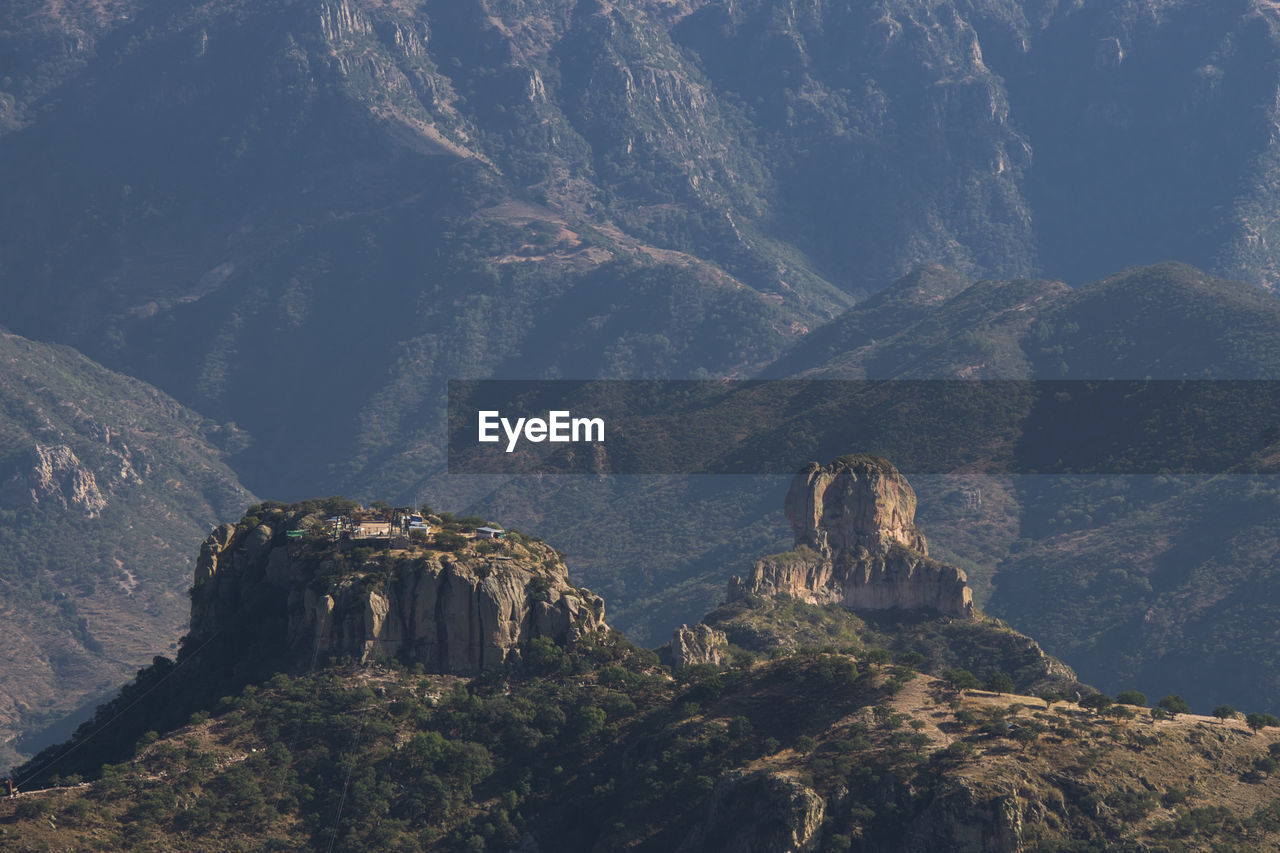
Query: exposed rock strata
{"x": 760, "y": 813}
{"x": 453, "y": 613}
{"x": 59, "y": 476}
{"x": 970, "y": 818}
{"x": 857, "y": 545}
{"x": 696, "y": 645}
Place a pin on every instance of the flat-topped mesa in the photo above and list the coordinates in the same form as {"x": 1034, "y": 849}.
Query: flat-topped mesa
{"x": 857, "y": 545}
{"x": 457, "y": 613}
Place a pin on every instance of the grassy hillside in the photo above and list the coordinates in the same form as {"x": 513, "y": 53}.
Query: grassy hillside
{"x": 821, "y": 729}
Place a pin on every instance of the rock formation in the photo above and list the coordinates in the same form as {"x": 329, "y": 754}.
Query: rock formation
{"x": 455, "y": 613}
{"x": 856, "y": 502}
{"x": 59, "y": 476}
{"x": 691, "y": 646}
{"x": 759, "y": 812}
{"x": 856, "y": 544}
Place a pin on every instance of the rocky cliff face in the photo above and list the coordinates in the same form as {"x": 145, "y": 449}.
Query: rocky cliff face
{"x": 856, "y": 502}
{"x": 857, "y": 545}
{"x": 971, "y": 816}
{"x": 457, "y": 613}
{"x": 759, "y": 813}
{"x": 696, "y": 645}
{"x": 58, "y": 475}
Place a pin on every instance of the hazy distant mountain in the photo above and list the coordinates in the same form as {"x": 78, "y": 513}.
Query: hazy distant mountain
{"x": 303, "y": 216}
{"x": 106, "y": 487}
{"x": 1163, "y": 583}
{"x": 1149, "y": 580}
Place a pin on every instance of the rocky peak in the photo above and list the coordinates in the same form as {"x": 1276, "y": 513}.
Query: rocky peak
{"x": 857, "y": 545}
{"x": 855, "y": 502}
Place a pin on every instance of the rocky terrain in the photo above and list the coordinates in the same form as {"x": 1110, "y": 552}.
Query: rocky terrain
{"x": 459, "y": 614}
{"x": 820, "y": 751}
{"x": 860, "y": 574}
{"x": 599, "y": 189}
{"x": 445, "y": 692}
{"x": 106, "y": 484}
{"x": 856, "y": 545}
{"x": 223, "y": 199}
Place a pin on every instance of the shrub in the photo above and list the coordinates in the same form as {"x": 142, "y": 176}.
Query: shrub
{"x": 543, "y": 656}
{"x": 588, "y": 721}
{"x": 914, "y": 660}
{"x": 447, "y": 540}
{"x": 879, "y": 656}
{"x": 1120, "y": 712}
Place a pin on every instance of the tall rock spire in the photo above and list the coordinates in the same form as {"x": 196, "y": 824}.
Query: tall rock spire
{"x": 857, "y": 545}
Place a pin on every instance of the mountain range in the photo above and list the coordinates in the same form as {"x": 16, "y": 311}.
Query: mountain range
{"x": 450, "y": 691}
{"x": 294, "y": 221}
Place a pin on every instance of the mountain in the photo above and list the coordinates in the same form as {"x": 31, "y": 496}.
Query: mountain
{"x": 1076, "y": 561}
{"x": 600, "y": 748}
{"x": 302, "y": 190}
{"x": 300, "y": 218}
{"x": 1134, "y": 580}
{"x": 461, "y": 613}
{"x": 873, "y": 738}
{"x": 257, "y": 207}
{"x": 106, "y": 484}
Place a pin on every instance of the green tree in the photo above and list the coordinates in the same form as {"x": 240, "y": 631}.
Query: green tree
{"x": 545, "y": 657}
{"x": 1132, "y": 697}
{"x": 1224, "y": 712}
{"x": 1174, "y": 705}
{"x": 960, "y": 679}
{"x": 1120, "y": 712}
{"x": 1260, "y": 721}
{"x": 878, "y": 656}
{"x": 999, "y": 682}
{"x": 588, "y": 721}
{"x": 1096, "y": 702}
